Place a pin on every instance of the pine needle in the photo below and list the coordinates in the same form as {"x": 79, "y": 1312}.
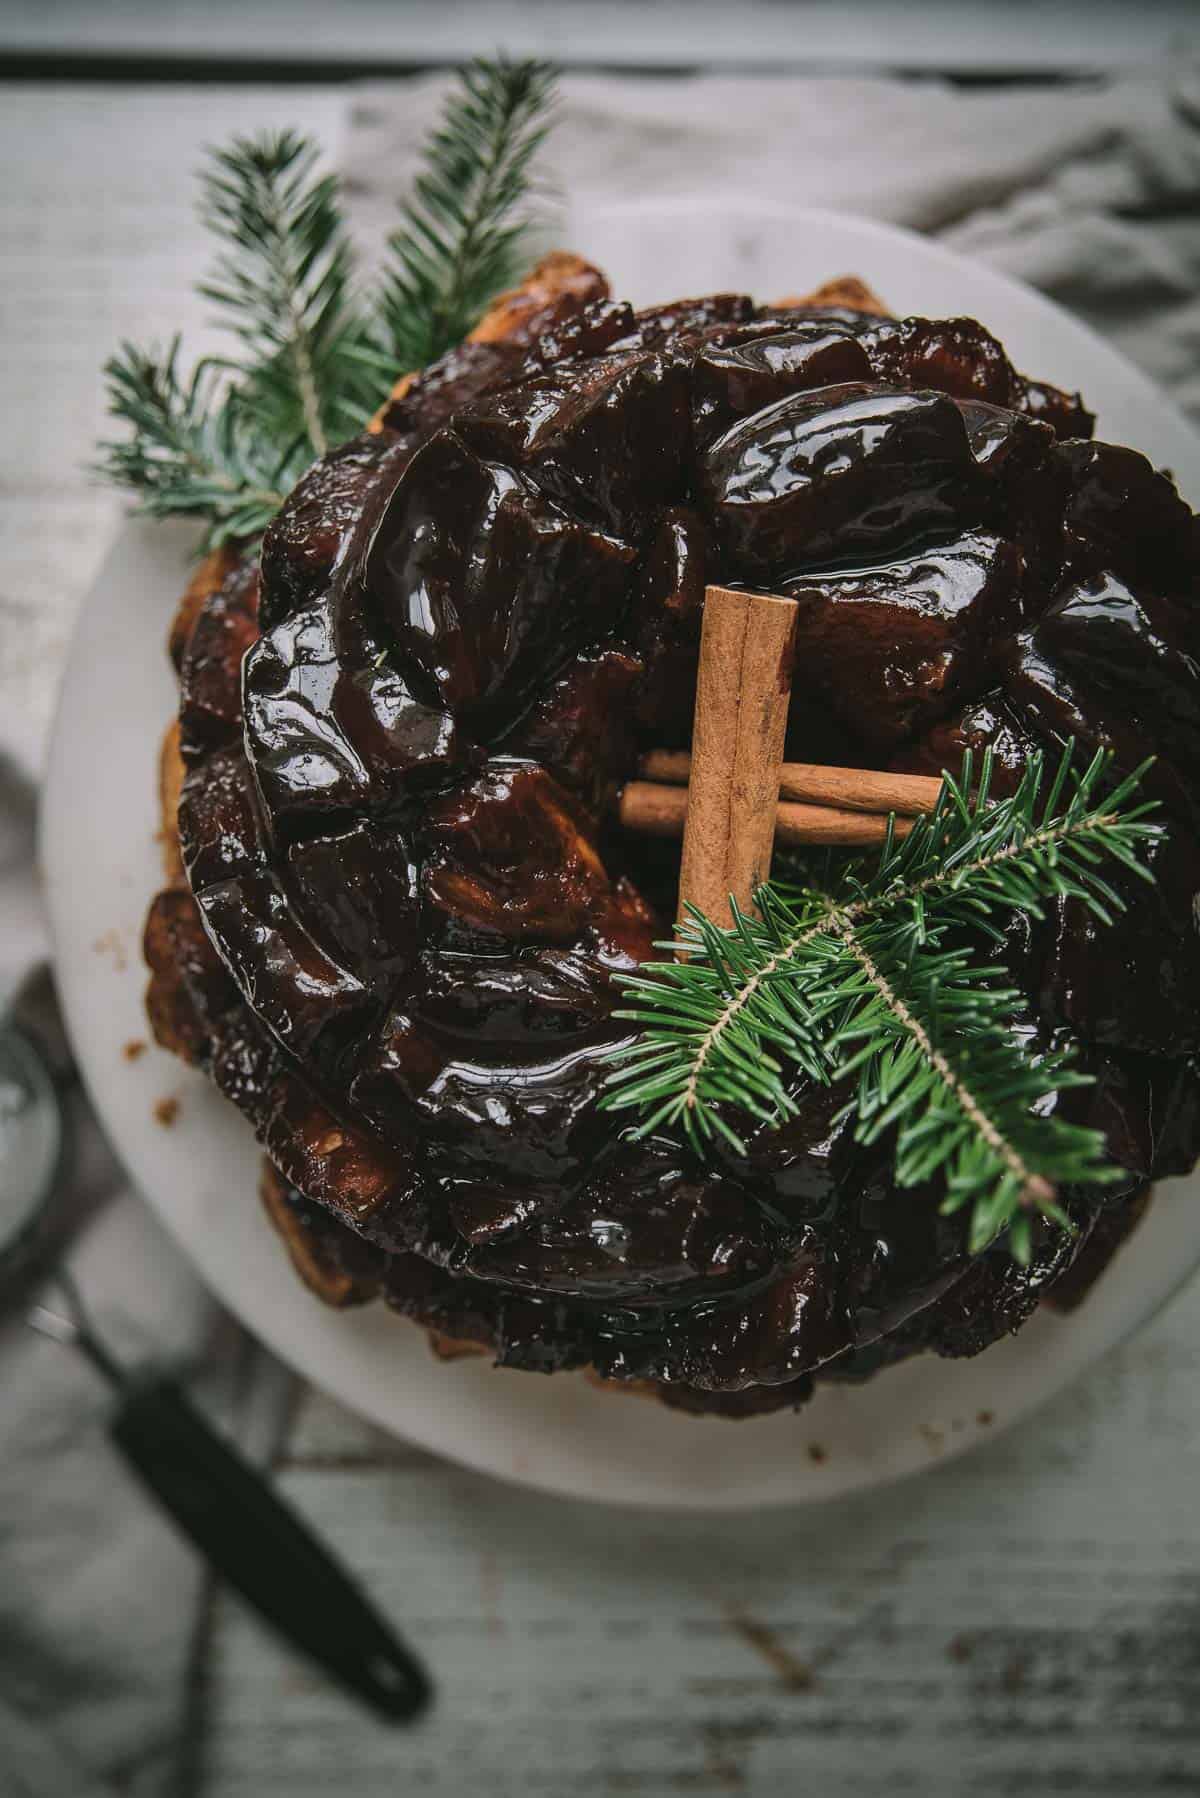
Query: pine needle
{"x": 868, "y": 984}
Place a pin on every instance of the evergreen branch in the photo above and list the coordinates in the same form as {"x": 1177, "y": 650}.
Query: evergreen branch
{"x": 193, "y": 449}
{"x": 949, "y": 1068}
{"x": 859, "y": 980}
{"x": 463, "y": 231}
{"x": 227, "y": 441}
{"x": 283, "y": 283}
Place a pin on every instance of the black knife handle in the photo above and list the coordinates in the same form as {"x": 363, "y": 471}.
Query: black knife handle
{"x": 261, "y": 1547}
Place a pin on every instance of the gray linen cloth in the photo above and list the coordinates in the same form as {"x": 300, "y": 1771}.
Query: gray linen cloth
{"x": 1093, "y": 194}
{"x": 1090, "y": 192}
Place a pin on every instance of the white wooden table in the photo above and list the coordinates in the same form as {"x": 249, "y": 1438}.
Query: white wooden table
{"x": 1026, "y": 1620}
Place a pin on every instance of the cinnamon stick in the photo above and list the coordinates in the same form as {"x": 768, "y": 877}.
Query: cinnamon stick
{"x": 650, "y": 808}
{"x": 742, "y": 693}
{"x": 853, "y": 789}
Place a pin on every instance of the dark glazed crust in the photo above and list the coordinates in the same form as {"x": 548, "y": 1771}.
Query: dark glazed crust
{"x": 402, "y": 844}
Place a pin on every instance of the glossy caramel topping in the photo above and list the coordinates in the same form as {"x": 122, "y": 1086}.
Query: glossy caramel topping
{"x": 398, "y": 819}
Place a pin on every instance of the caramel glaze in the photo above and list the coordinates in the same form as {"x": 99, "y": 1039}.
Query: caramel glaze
{"x": 405, "y": 738}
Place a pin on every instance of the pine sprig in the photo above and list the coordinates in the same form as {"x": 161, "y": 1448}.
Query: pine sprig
{"x": 194, "y": 449}
{"x": 283, "y": 283}
{"x": 870, "y": 983}
{"x": 228, "y": 440}
{"x": 948, "y": 1067}
{"x": 463, "y": 231}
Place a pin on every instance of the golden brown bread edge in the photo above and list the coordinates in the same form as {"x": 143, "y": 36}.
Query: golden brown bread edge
{"x": 512, "y": 314}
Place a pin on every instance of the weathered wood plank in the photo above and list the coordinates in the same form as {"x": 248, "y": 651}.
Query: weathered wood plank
{"x": 1025, "y": 1620}
{"x": 938, "y": 34}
